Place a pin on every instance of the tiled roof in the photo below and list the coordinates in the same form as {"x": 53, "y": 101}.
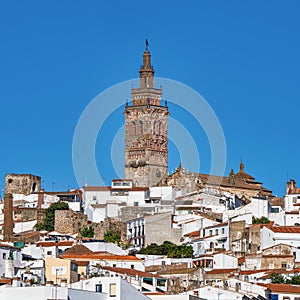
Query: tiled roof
{"x": 53, "y": 243}
{"x": 109, "y": 188}
{"x": 5, "y": 281}
{"x": 96, "y": 188}
{"x": 99, "y": 256}
{"x": 220, "y": 271}
{"x": 241, "y": 259}
{"x": 193, "y": 233}
{"x": 285, "y": 229}
{"x": 249, "y": 272}
{"x": 80, "y": 263}
{"x": 294, "y": 212}
{"x": 130, "y": 272}
{"x": 278, "y": 255}
{"x": 177, "y": 271}
{"x": 78, "y": 249}
{"x": 282, "y": 288}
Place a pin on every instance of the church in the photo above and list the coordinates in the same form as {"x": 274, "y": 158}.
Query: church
{"x": 146, "y": 146}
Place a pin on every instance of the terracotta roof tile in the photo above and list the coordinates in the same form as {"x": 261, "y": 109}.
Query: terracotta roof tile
{"x": 98, "y": 256}
{"x": 221, "y": 271}
{"x": 53, "y": 243}
{"x": 193, "y": 234}
{"x": 285, "y": 229}
{"x": 130, "y": 272}
{"x": 282, "y": 288}
{"x": 78, "y": 249}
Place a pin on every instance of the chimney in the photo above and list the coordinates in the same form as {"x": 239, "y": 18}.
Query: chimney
{"x": 290, "y": 186}
{"x": 40, "y": 199}
{"x": 8, "y": 217}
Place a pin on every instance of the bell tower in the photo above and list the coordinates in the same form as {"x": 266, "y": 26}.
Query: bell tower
{"x": 146, "y": 130}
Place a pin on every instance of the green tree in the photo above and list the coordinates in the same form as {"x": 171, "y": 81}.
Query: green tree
{"x": 277, "y": 278}
{"x": 111, "y": 236}
{"x": 50, "y": 215}
{"x": 295, "y": 279}
{"x": 169, "y": 249}
{"x": 262, "y": 220}
{"x": 87, "y": 232}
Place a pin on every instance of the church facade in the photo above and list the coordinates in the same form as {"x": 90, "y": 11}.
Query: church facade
{"x": 146, "y": 130}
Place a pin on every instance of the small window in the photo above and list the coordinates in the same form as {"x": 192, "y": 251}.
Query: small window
{"x": 4, "y": 255}
{"x": 114, "y": 265}
{"x": 223, "y": 230}
{"x": 94, "y": 198}
{"x": 132, "y": 266}
{"x": 210, "y": 232}
{"x": 112, "y": 290}
{"x": 49, "y": 252}
{"x": 98, "y": 288}
{"x": 135, "y": 203}
{"x": 283, "y": 265}
{"x": 217, "y": 231}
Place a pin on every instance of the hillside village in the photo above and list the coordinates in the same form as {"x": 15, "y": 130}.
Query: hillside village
{"x": 151, "y": 235}
{"x": 172, "y": 241}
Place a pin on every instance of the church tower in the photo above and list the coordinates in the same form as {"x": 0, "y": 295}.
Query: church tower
{"x": 146, "y": 130}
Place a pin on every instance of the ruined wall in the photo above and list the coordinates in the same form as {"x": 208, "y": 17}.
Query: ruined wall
{"x": 68, "y": 221}
{"x": 22, "y": 183}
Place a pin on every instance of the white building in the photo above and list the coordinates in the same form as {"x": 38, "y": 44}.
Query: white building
{"x": 275, "y": 235}
{"x": 10, "y": 260}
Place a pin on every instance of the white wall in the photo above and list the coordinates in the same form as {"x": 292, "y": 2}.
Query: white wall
{"x": 24, "y": 226}
{"x": 224, "y": 261}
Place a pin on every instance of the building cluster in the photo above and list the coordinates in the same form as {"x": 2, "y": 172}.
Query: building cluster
{"x": 152, "y": 235}
{"x": 241, "y": 236}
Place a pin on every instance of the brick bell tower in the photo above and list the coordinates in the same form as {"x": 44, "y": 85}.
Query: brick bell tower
{"x": 146, "y": 130}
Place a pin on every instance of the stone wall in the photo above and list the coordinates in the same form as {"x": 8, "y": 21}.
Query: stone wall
{"x": 29, "y": 214}
{"x": 22, "y": 183}
{"x": 68, "y": 221}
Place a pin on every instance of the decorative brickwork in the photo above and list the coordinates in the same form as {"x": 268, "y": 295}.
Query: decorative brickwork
{"x": 146, "y": 131}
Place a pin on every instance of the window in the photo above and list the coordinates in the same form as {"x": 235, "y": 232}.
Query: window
{"x": 98, "y": 288}
{"x": 217, "y": 231}
{"x": 283, "y": 265}
{"x": 112, "y": 290}
{"x": 94, "y": 197}
{"x": 223, "y": 230}
{"x": 210, "y": 232}
{"x": 275, "y": 210}
{"x": 132, "y": 266}
{"x": 4, "y": 255}
{"x": 49, "y": 252}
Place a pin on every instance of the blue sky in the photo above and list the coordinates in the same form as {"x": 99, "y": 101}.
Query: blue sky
{"x": 241, "y": 56}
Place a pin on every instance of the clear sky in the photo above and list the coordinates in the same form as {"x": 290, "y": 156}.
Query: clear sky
{"x": 242, "y": 56}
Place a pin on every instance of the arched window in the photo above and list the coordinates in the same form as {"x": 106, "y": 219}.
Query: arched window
{"x": 132, "y": 128}
{"x": 156, "y": 125}
{"x": 139, "y": 128}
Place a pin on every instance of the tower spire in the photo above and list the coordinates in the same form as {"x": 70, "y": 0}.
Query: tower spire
{"x": 146, "y": 71}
